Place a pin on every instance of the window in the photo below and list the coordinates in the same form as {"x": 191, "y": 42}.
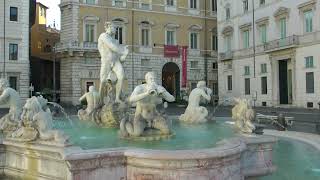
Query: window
{"x": 228, "y": 43}
{"x": 214, "y": 43}
{"x": 90, "y": 1}
{"x": 262, "y": 2}
{"x": 145, "y": 4}
{"x": 119, "y": 34}
{"x": 214, "y": 65}
{"x": 13, "y": 82}
{"x": 308, "y": 21}
{"x": 264, "y": 85}
{"x": 214, "y": 5}
{"x": 193, "y": 4}
{"x": 13, "y": 51}
{"x": 170, "y": 2}
{"x": 145, "y": 62}
{"x": 90, "y": 32}
{"x": 310, "y": 82}
{"x": 245, "y": 39}
{"x": 194, "y": 40}
{"x": 215, "y": 89}
{"x": 227, "y": 13}
{"x": 283, "y": 28}
{"x": 247, "y": 86}
{"x": 263, "y": 34}
{"x": 309, "y": 104}
{"x": 245, "y": 5}
{"x": 229, "y": 83}
{"x": 118, "y": 3}
{"x": 193, "y": 85}
{"x": 194, "y": 64}
{"x": 13, "y": 14}
{"x": 309, "y": 62}
{"x": 88, "y": 84}
{"x": 263, "y": 68}
{"x": 171, "y": 37}
{"x": 145, "y": 37}
{"x": 246, "y": 70}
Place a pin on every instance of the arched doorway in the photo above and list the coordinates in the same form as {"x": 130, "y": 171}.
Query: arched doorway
{"x": 171, "y": 78}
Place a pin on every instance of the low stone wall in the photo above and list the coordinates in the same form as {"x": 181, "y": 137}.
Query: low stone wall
{"x": 236, "y": 158}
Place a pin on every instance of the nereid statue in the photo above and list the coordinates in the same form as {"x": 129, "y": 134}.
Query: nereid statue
{"x": 11, "y": 97}
{"x": 243, "y": 115}
{"x": 194, "y": 112}
{"x": 147, "y": 119}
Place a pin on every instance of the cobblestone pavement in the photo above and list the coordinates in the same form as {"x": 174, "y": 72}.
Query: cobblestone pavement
{"x": 305, "y": 120}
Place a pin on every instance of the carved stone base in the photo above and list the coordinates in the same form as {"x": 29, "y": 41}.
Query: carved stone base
{"x": 148, "y": 135}
{"x": 107, "y": 116}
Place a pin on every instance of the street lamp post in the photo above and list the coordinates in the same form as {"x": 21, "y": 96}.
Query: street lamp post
{"x": 4, "y": 39}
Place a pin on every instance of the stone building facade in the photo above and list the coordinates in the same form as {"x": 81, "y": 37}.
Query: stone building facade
{"x": 14, "y": 44}
{"x": 285, "y": 70}
{"x": 146, "y": 26}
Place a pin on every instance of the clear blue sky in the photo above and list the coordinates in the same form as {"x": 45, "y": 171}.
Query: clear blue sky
{"x": 53, "y": 13}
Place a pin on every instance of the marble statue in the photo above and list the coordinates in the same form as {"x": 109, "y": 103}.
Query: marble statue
{"x": 112, "y": 54}
{"x": 92, "y": 98}
{"x": 243, "y": 115}
{"x": 11, "y": 97}
{"x": 36, "y": 123}
{"x": 147, "y": 120}
{"x": 194, "y": 112}
{"x": 111, "y": 107}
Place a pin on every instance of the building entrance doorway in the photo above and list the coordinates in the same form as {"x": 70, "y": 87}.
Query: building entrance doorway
{"x": 285, "y": 89}
{"x": 171, "y": 78}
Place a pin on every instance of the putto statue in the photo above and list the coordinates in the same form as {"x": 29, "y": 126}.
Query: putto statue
{"x": 194, "y": 112}
{"x": 93, "y": 99}
{"x": 147, "y": 121}
{"x": 36, "y": 123}
{"x": 243, "y": 115}
{"x": 111, "y": 107}
{"x": 112, "y": 54}
{"x": 11, "y": 97}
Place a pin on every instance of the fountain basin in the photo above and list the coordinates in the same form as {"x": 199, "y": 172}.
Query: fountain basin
{"x": 234, "y": 158}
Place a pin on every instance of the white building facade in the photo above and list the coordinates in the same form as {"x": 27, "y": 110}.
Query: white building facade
{"x": 14, "y": 44}
{"x": 285, "y": 70}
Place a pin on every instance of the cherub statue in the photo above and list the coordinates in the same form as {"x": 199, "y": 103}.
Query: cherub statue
{"x": 243, "y": 115}
{"x": 147, "y": 97}
{"x": 93, "y": 98}
{"x": 194, "y": 112}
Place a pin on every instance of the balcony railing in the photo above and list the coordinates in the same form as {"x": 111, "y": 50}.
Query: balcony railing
{"x": 288, "y": 42}
{"x": 226, "y": 56}
{"x": 77, "y": 46}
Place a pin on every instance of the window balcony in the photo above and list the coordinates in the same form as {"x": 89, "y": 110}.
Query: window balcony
{"x": 279, "y": 44}
{"x": 226, "y": 56}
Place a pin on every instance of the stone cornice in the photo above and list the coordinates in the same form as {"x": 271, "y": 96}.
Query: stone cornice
{"x": 227, "y": 30}
{"x": 245, "y": 26}
{"x": 281, "y": 12}
{"x": 262, "y": 21}
{"x": 309, "y": 5}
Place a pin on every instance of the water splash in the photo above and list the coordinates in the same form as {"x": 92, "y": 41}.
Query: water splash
{"x": 215, "y": 108}
{"x": 63, "y": 112}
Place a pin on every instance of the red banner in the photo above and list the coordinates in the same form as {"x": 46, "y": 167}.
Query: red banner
{"x": 184, "y": 66}
{"x": 171, "y": 51}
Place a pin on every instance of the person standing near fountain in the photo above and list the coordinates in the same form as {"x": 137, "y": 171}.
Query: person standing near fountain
{"x": 194, "y": 112}
{"x": 147, "y": 96}
{"x": 11, "y": 97}
{"x": 112, "y": 54}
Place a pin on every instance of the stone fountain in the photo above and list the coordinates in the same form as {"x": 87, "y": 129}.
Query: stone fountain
{"x": 33, "y": 149}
